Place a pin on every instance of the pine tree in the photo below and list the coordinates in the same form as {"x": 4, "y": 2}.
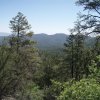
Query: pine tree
{"x": 90, "y": 20}
{"x": 75, "y": 54}
{"x": 21, "y": 31}
{"x": 79, "y": 55}
{"x": 96, "y": 47}
{"x": 69, "y": 59}
{"x": 25, "y": 57}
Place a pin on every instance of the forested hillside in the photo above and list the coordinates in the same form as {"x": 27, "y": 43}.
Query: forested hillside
{"x": 52, "y": 42}
{"x": 52, "y": 67}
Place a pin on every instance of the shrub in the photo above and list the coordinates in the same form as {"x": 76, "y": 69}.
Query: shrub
{"x": 85, "y": 89}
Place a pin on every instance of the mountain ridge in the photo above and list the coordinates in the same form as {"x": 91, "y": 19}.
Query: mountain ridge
{"x": 54, "y": 41}
{"x": 50, "y": 41}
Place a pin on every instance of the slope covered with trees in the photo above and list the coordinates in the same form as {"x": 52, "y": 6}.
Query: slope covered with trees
{"x": 27, "y": 73}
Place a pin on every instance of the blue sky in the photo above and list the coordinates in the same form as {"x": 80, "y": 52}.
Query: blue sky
{"x": 45, "y": 16}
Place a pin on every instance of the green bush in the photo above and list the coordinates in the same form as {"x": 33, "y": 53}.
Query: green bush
{"x": 85, "y": 89}
{"x": 32, "y": 92}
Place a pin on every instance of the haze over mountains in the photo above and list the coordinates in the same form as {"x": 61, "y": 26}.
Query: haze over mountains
{"x": 49, "y": 42}
{"x": 4, "y": 34}
{"x": 45, "y": 41}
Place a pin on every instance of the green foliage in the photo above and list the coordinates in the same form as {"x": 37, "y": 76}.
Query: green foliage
{"x": 76, "y": 60}
{"x": 29, "y": 74}
{"x": 96, "y": 48}
{"x": 90, "y": 20}
{"x": 95, "y": 69}
{"x": 18, "y": 61}
{"x": 85, "y": 89}
{"x": 19, "y": 24}
{"x": 48, "y": 69}
{"x": 21, "y": 32}
{"x": 31, "y": 92}
{"x": 53, "y": 91}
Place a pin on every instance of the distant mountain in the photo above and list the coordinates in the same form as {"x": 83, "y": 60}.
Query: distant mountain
{"x": 56, "y": 41}
{"x": 51, "y": 42}
{"x": 4, "y": 34}
{"x": 45, "y": 41}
